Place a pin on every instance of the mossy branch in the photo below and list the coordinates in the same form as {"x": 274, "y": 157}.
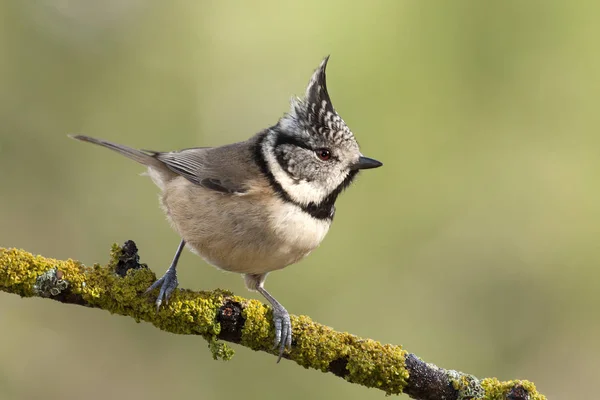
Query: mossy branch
{"x": 220, "y": 316}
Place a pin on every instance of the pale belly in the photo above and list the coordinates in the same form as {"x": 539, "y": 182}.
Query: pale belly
{"x": 243, "y": 234}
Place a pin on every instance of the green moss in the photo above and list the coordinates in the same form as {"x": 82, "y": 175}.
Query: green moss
{"x": 220, "y": 350}
{"x": 187, "y": 312}
{"x": 469, "y": 387}
{"x": 115, "y": 253}
{"x": 369, "y": 363}
{"x": 20, "y": 271}
{"x": 375, "y": 365}
{"x": 257, "y": 333}
{"x": 496, "y": 390}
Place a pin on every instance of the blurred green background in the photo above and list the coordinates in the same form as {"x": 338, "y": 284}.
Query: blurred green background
{"x": 475, "y": 246}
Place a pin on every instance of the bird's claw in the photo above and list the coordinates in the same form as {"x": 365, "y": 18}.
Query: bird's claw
{"x": 283, "y": 330}
{"x": 167, "y": 283}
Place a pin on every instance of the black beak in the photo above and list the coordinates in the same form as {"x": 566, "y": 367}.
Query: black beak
{"x": 366, "y": 163}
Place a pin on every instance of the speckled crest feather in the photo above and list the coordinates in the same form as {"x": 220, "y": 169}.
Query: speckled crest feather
{"x": 315, "y": 112}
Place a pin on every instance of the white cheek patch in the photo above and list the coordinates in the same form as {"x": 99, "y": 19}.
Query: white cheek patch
{"x": 302, "y": 192}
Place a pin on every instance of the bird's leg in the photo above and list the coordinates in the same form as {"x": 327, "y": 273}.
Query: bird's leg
{"x": 168, "y": 282}
{"x": 281, "y": 320}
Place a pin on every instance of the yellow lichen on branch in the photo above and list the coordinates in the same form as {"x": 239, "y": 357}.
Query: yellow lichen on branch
{"x": 98, "y": 286}
{"x": 219, "y": 315}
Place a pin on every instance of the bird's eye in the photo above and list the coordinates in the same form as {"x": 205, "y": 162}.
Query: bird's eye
{"x": 323, "y": 154}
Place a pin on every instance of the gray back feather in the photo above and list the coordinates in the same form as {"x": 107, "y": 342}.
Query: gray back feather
{"x": 225, "y": 169}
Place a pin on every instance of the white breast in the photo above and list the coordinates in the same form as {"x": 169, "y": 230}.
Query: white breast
{"x": 247, "y": 234}
{"x": 285, "y": 235}
{"x": 298, "y": 232}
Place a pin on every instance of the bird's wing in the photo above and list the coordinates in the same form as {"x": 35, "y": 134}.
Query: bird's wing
{"x": 226, "y": 169}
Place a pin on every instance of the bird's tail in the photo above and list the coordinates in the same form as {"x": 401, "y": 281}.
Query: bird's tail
{"x": 137, "y": 155}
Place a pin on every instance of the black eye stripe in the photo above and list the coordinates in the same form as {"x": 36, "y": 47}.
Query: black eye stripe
{"x": 287, "y": 139}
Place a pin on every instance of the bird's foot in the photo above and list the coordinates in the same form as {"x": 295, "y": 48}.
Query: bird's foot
{"x": 167, "y": 285}
{"x": 283, "y": 330}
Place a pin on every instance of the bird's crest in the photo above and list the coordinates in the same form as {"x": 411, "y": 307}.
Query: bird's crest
{"x": 315, "y": 112}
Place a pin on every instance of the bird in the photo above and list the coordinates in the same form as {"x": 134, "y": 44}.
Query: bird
{"x": 259, "y": 205}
